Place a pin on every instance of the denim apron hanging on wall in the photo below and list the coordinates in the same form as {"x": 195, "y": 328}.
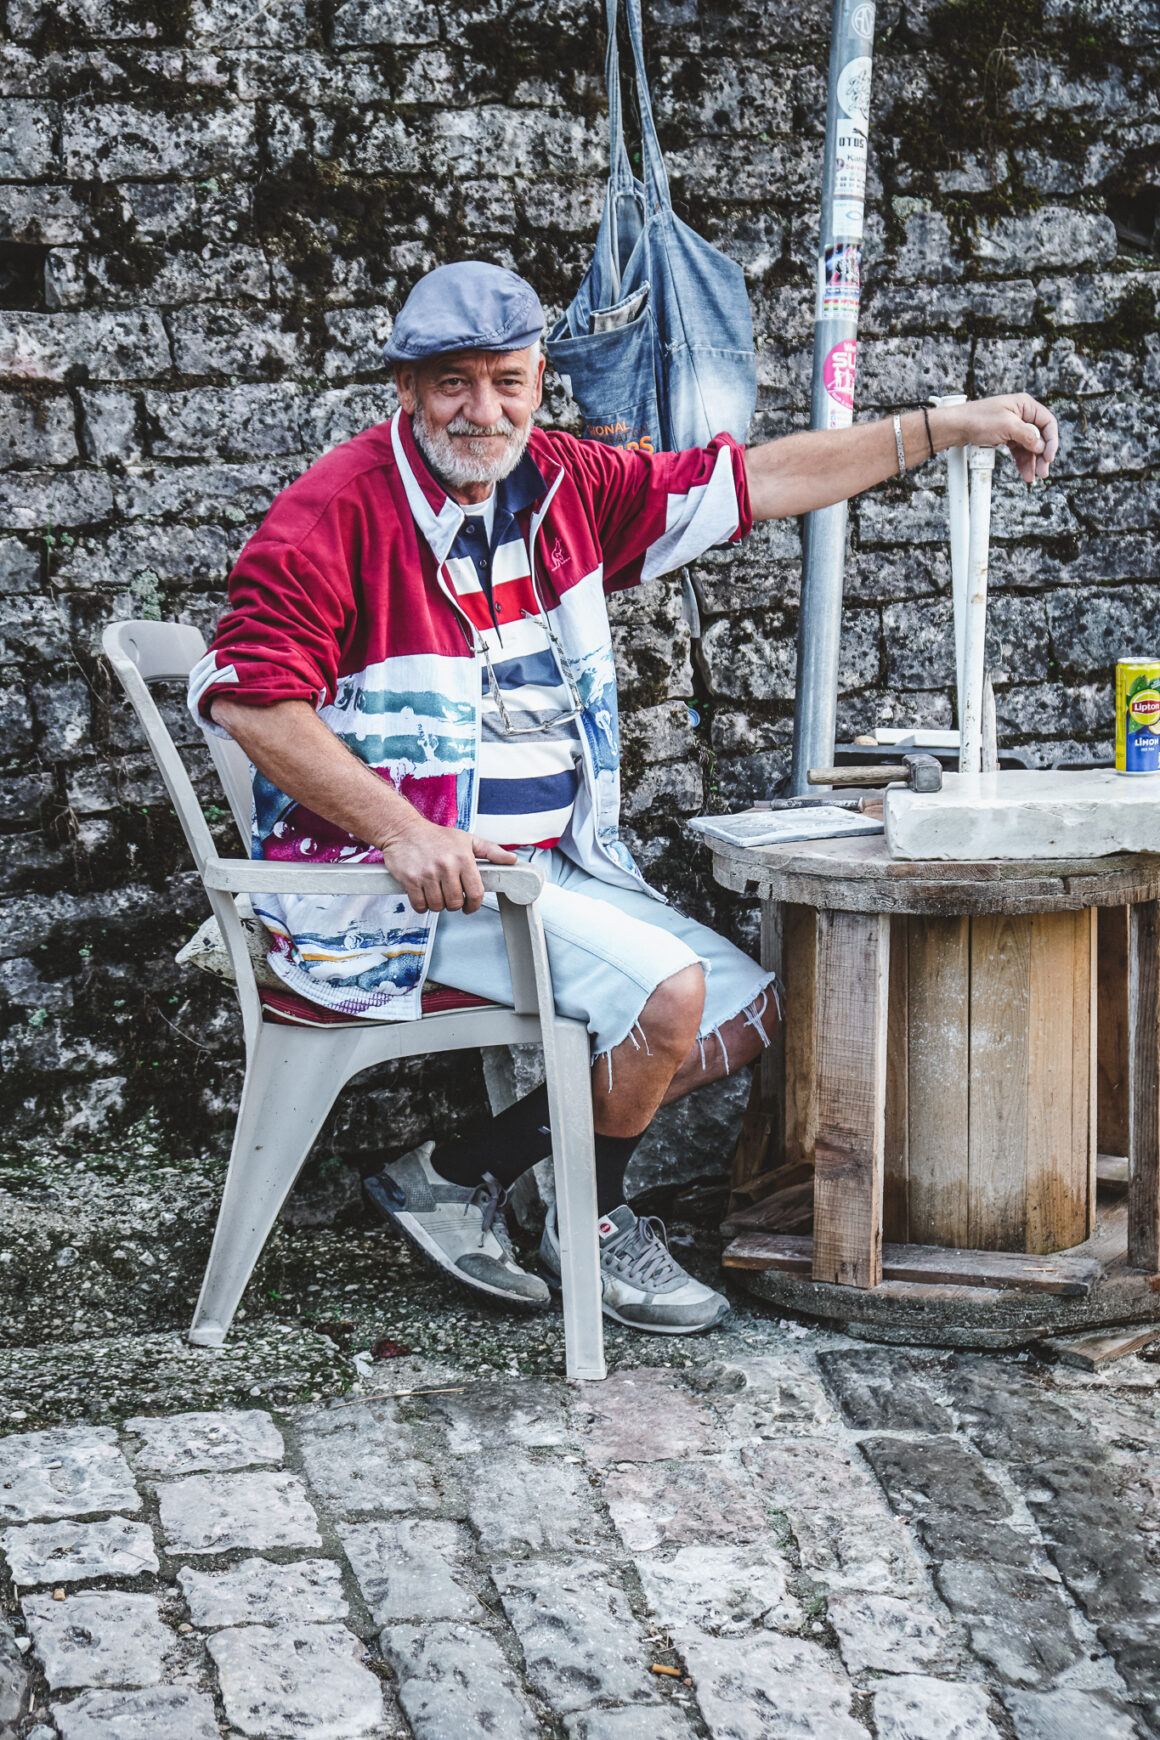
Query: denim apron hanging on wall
{"x": 656, "y": 346}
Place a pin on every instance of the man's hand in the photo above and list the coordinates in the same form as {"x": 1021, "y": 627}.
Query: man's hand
{"x": 1013, "y": 420}
{"x": 437, "y": 865}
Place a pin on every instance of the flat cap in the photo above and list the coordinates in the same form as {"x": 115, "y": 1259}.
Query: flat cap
{"x": 470, "y": 305}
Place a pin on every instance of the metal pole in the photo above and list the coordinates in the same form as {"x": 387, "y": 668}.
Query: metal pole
{"x": 981, "y": 462}
{"x": 835, "y": 353}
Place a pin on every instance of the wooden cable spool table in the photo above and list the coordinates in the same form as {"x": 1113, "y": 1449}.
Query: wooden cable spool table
{"x": 920, "y": 1157}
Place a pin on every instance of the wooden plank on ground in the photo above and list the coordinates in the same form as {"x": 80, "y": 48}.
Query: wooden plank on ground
{"x": 939, "y": 962}
{"x": 895, "y": 1159}
{"x": 1058, "y": 1155}
{"x": 1112, "y": 1030}
{"x": 790, "y": 1209}
{"x": 1090, "y": 1352}
{"x": 997, "y": 1141}
{"x": 799, "y": 963}
{"x": 1072, "y": 1277}
{"x": 1113, "y": 1170}
{"x": 1144, "y": 1047}
{"x": 852, "y": 975}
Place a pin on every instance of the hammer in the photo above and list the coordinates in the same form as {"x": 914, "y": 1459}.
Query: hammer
{"x": 916, "y": 772}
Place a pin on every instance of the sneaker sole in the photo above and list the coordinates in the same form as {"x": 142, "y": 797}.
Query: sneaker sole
{"x": 437, "y": 1258}
{"x": 645, "y": 1328}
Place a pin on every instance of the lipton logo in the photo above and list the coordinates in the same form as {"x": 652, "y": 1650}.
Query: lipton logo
{"x": 558, "y": 557}
{"x": 1145, "y": 707}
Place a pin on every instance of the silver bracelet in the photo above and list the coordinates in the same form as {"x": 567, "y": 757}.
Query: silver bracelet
{"x": 898, "y": 444}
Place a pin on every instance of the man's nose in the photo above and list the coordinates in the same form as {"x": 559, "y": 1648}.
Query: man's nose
{"x": 484, "y": 405}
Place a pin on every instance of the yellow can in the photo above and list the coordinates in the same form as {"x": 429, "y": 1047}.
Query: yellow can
{"x": 1138, "y": 716}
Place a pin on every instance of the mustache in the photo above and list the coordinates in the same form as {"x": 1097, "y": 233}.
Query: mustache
{"x": 463, "y": 426}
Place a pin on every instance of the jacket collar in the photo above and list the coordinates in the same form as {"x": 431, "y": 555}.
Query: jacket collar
{"x": 437, "y": 515}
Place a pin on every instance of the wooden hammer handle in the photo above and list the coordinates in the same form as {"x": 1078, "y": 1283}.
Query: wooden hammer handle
{"x": 888, "y": 775}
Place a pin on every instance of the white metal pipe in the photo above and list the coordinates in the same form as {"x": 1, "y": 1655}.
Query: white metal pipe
{"x": 960, "y": 541}
{"x": 981, "y": 464}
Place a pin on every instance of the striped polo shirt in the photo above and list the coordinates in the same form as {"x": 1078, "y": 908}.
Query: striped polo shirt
{"x": 528, "y": 780}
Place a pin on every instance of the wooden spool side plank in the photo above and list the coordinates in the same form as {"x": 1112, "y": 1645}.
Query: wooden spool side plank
{"x": 997, "y": 1123}
{"x": 896, "y": 1161}
{"x": 799, "y": 958}
{"x": 1092, "y": 1020}
{"x": 852, "y": 975}
{"x": 1144, "y": 1040}
{"x": 1058, "y": 1157}
{"x": 1112, "y": 1029}
{"x": 939, "y": 973}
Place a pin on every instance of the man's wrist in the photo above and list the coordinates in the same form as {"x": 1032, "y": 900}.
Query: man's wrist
{"x": 946, "y": 427}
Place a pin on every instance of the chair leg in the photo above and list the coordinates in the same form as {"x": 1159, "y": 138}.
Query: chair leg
{"x": 570, "y": 1112}
{"x": 292, "y": 1080}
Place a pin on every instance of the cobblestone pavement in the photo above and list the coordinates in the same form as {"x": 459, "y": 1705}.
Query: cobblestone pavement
{"x": 828, "y": 1540}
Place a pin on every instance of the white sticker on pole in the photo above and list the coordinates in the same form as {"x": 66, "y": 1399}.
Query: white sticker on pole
{"x": 862, "y": 20}
{"x": 849, "y": 162}
{"x": 854, "y": 90}
{"x": 848, "y": 217}
{"x": 838, "y": 376}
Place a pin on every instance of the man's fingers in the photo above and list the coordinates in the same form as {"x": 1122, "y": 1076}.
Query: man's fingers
{"x": 487, "y": 849}
{"x": 472, "y": 887}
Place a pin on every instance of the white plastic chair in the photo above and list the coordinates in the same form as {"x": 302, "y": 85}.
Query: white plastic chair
{"x": 294, "y": 1074}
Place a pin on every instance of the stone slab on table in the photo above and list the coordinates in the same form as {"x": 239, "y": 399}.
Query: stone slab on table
{"x": 74, "y": 1550}
{"x": 1026, "y": 814}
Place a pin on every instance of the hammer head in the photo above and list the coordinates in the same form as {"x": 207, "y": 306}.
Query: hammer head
{"x": 925, "y": 771}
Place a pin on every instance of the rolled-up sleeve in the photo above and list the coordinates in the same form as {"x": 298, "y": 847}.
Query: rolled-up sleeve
{"x": 280, "y": 639}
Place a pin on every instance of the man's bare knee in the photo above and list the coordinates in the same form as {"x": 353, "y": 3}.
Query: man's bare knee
{"x": 672, "y": 1016}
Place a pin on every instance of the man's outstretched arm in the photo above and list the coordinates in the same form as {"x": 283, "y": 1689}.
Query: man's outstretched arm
{"x": 813, "y": 470}
{"x": 292, "y": 746}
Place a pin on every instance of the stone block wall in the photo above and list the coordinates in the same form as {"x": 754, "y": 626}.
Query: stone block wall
{"x": 209, "y": 210}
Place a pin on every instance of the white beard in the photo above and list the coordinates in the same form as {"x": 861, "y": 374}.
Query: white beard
{"x": 455, "y": 468}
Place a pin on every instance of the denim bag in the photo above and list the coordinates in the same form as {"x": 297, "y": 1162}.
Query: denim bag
{"x": 656, "y": 346}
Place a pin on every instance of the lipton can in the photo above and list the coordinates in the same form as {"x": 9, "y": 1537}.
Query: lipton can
{"x": 1138, "y": 716}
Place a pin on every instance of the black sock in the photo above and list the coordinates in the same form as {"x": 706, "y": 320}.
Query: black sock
{"x": 517, "y": 1138}
{"x": 505, "y": 1145}
{"x": 613, "y": 1154}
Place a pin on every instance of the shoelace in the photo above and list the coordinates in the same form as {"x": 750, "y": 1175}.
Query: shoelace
{"x": 645, "y": 1251}
{"x": 489, "y": 1197}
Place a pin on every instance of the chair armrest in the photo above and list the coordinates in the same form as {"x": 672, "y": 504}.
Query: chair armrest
{"x": 521, "y": 883}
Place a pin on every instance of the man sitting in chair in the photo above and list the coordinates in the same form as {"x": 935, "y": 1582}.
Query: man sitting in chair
{"x": 417, "y": 661}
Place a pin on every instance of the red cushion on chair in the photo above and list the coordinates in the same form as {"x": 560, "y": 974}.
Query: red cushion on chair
{"x": 288, "y": 1009}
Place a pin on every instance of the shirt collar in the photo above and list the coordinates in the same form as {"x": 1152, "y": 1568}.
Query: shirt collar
{"x": 438, "y": 515}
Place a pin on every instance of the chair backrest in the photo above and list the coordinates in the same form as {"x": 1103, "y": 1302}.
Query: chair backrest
{"x": 154, "y": 652}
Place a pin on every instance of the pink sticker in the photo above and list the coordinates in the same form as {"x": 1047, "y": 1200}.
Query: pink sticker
{"x": 838, "y": 372}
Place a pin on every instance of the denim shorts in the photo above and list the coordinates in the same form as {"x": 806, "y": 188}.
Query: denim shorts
{"x": 609, "y": 948}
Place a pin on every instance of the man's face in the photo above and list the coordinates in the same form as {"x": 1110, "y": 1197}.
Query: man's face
{"x": 472, "y": 412}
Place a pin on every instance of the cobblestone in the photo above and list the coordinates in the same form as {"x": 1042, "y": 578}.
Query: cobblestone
{"x": 296, "y": 1680}
{"x": 209, "y": 1513}
{"x": 188, "y": 1443}
{"x": 454, "y": 1679}
{"x": 259, "y": 1593}
{"x": 70, "y": 1552}
{"x": 913, "y": 1707}
{"x": 576, "y": 1631}
{"x": 70, "y": 1472}
{"x": 414, "y": 1570}
{"x": 98, "y": 1638}
{"x": 159, "y": 1711}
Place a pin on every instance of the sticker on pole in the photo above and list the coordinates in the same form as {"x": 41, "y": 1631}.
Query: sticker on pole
{"x": 854, "y": 90}
{"x": 849, "y": 161}
{"x": 841, "y": 286}
{"x": 838, "y": 377}
{"x": 848, "y": 219}
{"x": 862, "y": 21}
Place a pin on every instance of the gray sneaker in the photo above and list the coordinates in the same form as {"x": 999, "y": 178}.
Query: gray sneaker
{"x": 459, "y": 1229}
{"x": 643, "y": 1285}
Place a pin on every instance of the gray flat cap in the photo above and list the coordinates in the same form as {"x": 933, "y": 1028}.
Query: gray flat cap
{"x": 470, "y": 305}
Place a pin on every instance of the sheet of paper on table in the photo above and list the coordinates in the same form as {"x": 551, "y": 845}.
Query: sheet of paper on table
{"x": 773, "y": 827}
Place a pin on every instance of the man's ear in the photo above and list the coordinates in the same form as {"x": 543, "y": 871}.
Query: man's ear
{"x": 538, "y": 390}
{"x": 405, "y": 386}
